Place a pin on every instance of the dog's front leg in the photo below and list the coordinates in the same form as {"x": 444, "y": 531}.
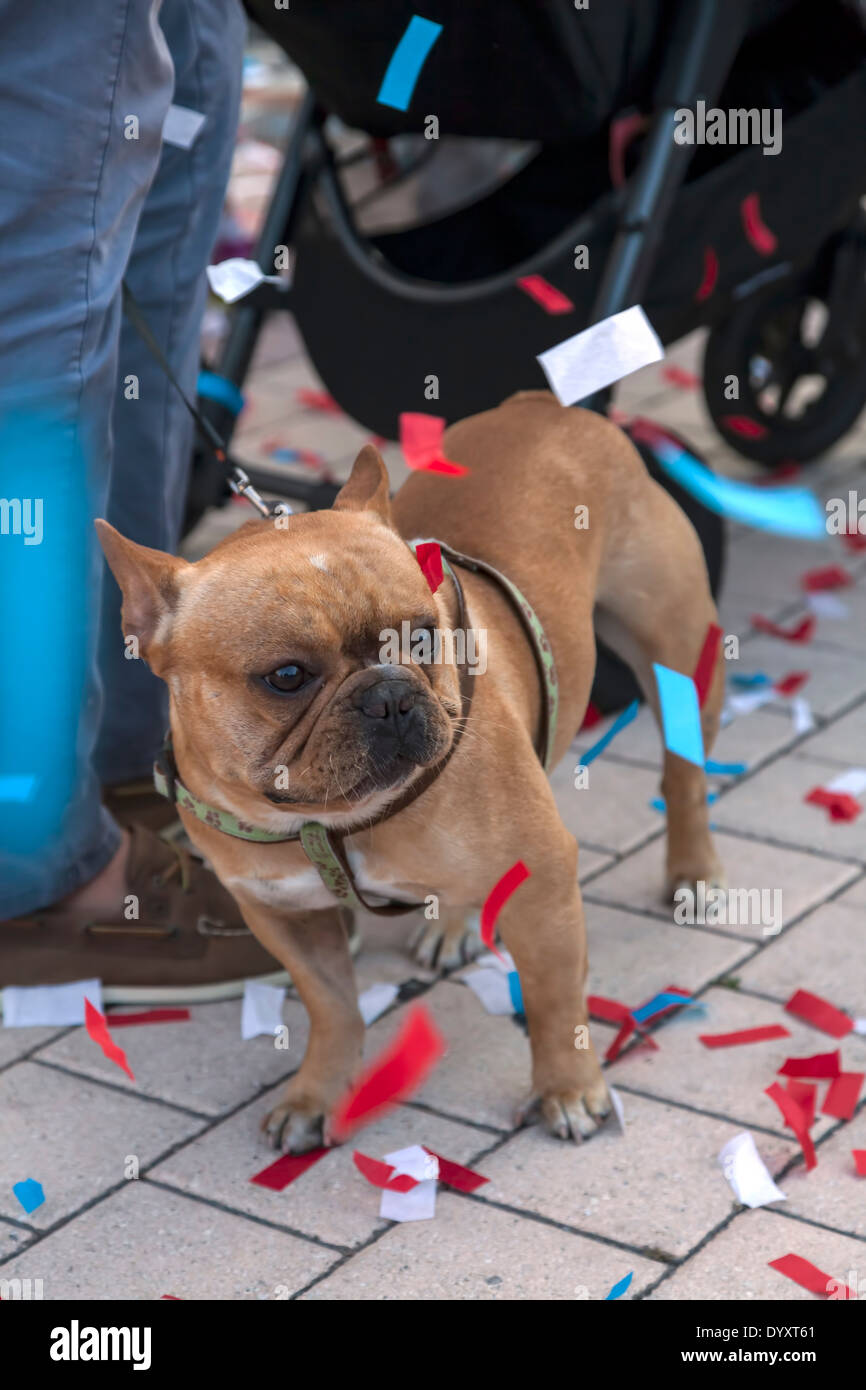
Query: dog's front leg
{"x": 543, "y": 927}
{"x": 314, "y": 948}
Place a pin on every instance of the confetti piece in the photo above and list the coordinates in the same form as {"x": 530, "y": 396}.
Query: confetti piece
{"x": 619, "y": 1289}
{"x": 678, "y": 376}
{"x": 429, "y": 557}
{"x": 493, "y": 988}
{"x": 318, "y": 400}
{"x": 822, "y": 1064}
{"x": 744, "y": 425}
{"x": 181, "y": 126}
{"x": 374, "y": 1001}
{"x": 791, "y": 683}
{"x": 805, "y": 1093}
{"x": 749, "y": 680}
{"x": 261, "y": 1010}
{"x": 497, "y": 898}
{"x": 795, "y": 1117}
{"x": 97, "y": 1029}
{"x": 859, "y": 1156}
{"x": 552, "y": 300}
{"x": 659, "y": 1004}
{"x": 515, "y": 991}
{"x": 398, "y": 1071}
{"x": 278, "y": 1175}
{"x": 419, "y": 1202}
{"x": 455, "y": 1175}
{"x": 801, "y": 712}
{"x": 592, "y": 717}
{"x": 710, "y": 276}
{"x": 616, "y": 727}
{"x": 235, "y": 278}
{"x": 800, "y": 632}
{"x": 681, "y": 718}
{"x": 725, "y": 769}
{"x": 600, "y": 355}
{"x": 843, "y": 1094}
{"x": 854, "y": 540}
{"x": 406, "y": 62}
{"x": 707, "y": 662}
{"x": 819, "y": 1013}
{"x": 383, "y": 1174}
{"x": 612, "y": 1011}
{"x": 831, "y": 577}
{"x": 149, "y": 1016}
{"x": 760, "y": 237}
{"x": 35, "y": 1006}
{"x": 421, "y": 442}
{"x": 839, "y": 804}
{"x": 29, "y": 1193}
{"x": 828, "y": 606}
{"x": 809, "y": 1276}
{"x": 744, "y": 1035}
{"x": 853, "y": 782}
{"x": 171, "y": 1297}
{"x": 747, "y": 1172}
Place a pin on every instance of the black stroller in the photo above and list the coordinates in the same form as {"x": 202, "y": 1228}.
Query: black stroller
{"x": 722, "y": 235}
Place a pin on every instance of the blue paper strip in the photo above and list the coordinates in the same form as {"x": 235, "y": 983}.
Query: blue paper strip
{"x": 725, "y": 769}
{"x": 19, "y": 788}
{"x": 29, "y": 1193}
{"x": 788, "y": 511}
{"x": 516, "y": 991}
{"x": 619, "y": 1289}
{"x": 406, "y": 63}
{"x": 213, "y": 387}
{"x": 681, "y": 715}
{"x": 748, "y": 681}
{"x": 616, "y": 727}
{"x": 657, "y": 1004}
{"x": 658, "y": 803}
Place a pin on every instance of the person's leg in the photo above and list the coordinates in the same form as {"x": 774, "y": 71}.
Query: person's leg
{"x": 72, "y": 184}
{"x": 153, "y": 431}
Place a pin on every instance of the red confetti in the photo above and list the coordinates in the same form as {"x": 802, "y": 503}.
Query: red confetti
{"x": 496, "y": 900}
{"x": 854, "y": 540}
{"x": 382, "y": 1174}
{"x": 678, "y": 376}
{"x": 744, "y": 425}
{"x": 421, "y": 442}
{"x": 744, "y": 1035}
{"x": 756, "y": 229}
{"x": 805, "y": 1093}
{"x": 790, "y": 684}
{"x": 831, "y": 577}
{"x": 97, "y": 1029}
{"x": 429, "y": 557}
{"x": 318, "y": 400}
{"x": 795, "y": 1117}
{"x": 149, "y": 1016}
{"x": 822, "y": 1065}
{"x": 707, "y": 662}
{"x": 710, "y": 276}
{"x": 782, "y": 473}
{"x": 801, "y": 632}
{"x": 279, "y": 1174}
{"x": 552, "y": 300}
{"x": 860, "y": 1161}
{"x": 612, "y": 1011}
{"x": 455, "y": 1175}
{"x": 809, "y": 1276}
{"x": 592, "y": 717}
{"x": 172, "y": 1297}
{"x": 843, "y": 1094}
{"x": 819, "y": 1013}
{"x": 398, "y": 1071}
{"x": 841, "y": 805}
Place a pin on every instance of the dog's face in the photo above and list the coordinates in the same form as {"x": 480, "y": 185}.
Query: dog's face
{"x": 272, "y": 648}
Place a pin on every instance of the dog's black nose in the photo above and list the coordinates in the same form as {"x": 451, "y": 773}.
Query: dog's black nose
{"x": 391, "y": 701}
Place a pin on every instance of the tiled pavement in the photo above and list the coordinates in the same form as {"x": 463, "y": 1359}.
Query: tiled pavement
{"x": 556, "y": 1221}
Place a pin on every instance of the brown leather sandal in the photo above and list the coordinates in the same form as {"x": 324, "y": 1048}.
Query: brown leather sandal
{"x": 188, "y": 943}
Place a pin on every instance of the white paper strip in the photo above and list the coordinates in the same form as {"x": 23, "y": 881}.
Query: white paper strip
{"x": 375, "y": 1000}
{"x": 601, "y": 355}
{"x": 181, "y": 126}
{"x": 419, "y": 1203}
{"x": 492, "y": 988}
{"x": 36, "y": 1006}
{"x": 750, "y": 700}
{"x": 262, "y": 1009}
{"x": 619, "y": 1111}
{"x": 853, "y": 782}
{"x": 801, "y": 713}
{"x": 860, "y": 1025}
{"x": 236, "y": 277}
{"x": 747, "y": 1172}
{"x": 827, "y": 606}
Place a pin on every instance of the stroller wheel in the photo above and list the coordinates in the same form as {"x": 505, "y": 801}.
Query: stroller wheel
{"x": 802, "y": 383}
{"x": 615, "y": 686}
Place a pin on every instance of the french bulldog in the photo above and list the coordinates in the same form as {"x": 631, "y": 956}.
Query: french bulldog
{"x": 283, "y": 711}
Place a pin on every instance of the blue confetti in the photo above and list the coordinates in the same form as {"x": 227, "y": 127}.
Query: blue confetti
{"x": 619, "y": 1289}
{"x": 658, "y": 803}
{"x": 681, "y": 717}
{"x": 747, "y": 681}
{"x": 658, "y": 1004}
{"x": 406, "y": 63}
{"x": 516, "y": 992}
{"x": 29, "y": 1193}
{"x": 616, "y": 727}
{"x": 725, "y": 769}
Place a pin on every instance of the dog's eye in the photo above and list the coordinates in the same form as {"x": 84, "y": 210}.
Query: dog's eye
{"x": 287, "y": 679}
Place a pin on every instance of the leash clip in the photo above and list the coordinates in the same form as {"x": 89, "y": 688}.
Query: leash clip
{"x": 242, "y": 487}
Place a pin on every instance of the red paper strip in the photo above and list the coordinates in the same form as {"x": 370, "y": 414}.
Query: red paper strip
{"x": 809, "y": 1276}
{"x": 790, "y": 684}
{"x": 609, "y": 1010}
{"x": 831, "y": 577}
{"x": 398, "y": 1071}
{"x": 821, "y": 1065}
{"x": 552, "y": 300}
{"x": 149, "y": 1016}
{"x": 744, "y": 1035}
{"x": 819, "y": 1013}
{"x": 805, "y": 1093}
{"x": 859, "y": 1156}
{"x": 801, "y": 632}
{"x": 318, "y": 400}
{"x": 760, "y": 237}
{"x": 841, "y": 805}
{"x": 97, "y": 1029}
{"x": 854, "y": 540}
{"x": 678, "y": 376}
{"x": 744, "y": 425}
{"x": 382, "y": 1174}
{"x": 707, "y": 662}
{"x": 782, "y": 473}
{"x": 710, "y": 276}
{"x": 279, "y": 1174}
{"x": 172, "y": 1297}
{"x": 496, "y": 900}
{"x": 421, "y": 442}
{"x": 455, "y": 1175}
{"x": 843, "y": 1094}
{"x": 592, "y": 717}
{"x": 429, "y": 557}
{"x": 795, "y": 1117}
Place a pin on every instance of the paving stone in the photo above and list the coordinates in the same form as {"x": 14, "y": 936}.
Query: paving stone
{"x": 613, "y": 814}
{"x": 658, "y": 1187}
{"x": 12, "y": 1240}
{"x": 144, "y": 1242}
{"x": 472, "y": 1251}
{"x": 843, "y": 742}
{"x": 769, "y": 568}
{"x": 632, "y": 957}
{"x": 805, "y": 879}
{"x": 18, "y": 1042}
{"x": 856, "y": 895}
{"x": 830, "y": 1194}
{"x": 836, "y": 678}
{"x": 771, "y": 806}
{"x": 74, "y": 1137}
{"x": 825, "y": 953}
{"x": 736, "y": 1264}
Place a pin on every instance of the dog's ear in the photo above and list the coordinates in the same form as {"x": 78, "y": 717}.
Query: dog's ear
{"x": 367, "y": 488}
{"x": 149, "y": 582}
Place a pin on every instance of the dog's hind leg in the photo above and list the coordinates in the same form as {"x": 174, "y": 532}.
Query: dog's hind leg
{"x": 654, "y": 605}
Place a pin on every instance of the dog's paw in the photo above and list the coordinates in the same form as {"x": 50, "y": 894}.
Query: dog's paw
{"x": 295, "y": 1126}
{"x": 569, "y": 1114}
{"x": 713, "y": 876}
{"x": 447, "y": 945}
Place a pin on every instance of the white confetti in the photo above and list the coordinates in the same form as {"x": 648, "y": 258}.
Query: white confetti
{"x": 181, "y": 127}
{"x": 262, "y": 1009}
{"x": 747, "y": 1172}
{"x": 801, "y": 713}
{"x": 853, "y": 782}
{"x": 375, "y": 1000}
{"x": 419, "y": 1203}
{"x": 37, "y": 1006}
{"x": 601, "y": 355}
{"x": 236, "y": 277}
{"x": 828, "y": 606}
